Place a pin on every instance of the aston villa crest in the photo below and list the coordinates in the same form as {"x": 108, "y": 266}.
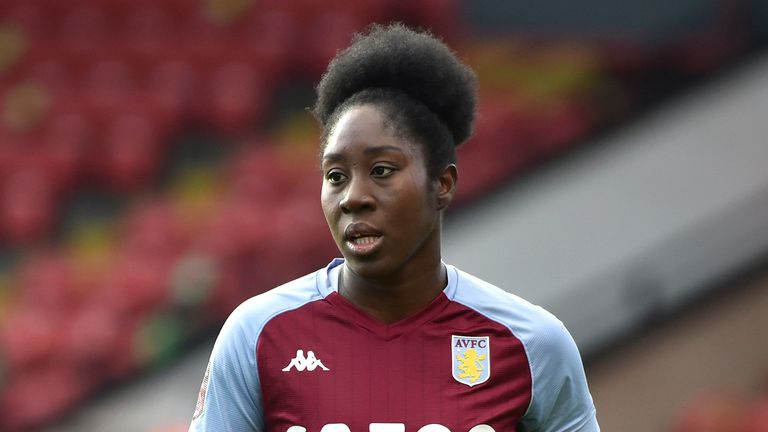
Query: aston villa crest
{"x": 471, "y": 359}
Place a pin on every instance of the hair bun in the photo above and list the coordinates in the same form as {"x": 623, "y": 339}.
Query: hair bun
{"x": 415, "y": 63}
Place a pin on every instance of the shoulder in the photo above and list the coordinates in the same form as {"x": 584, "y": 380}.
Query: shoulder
{"x": 250, "y": 317}
{"x": 560, "y": 397}
{"x": 231, "y": 378}
{"x": 536, "y": 327}
{"x": 235, "y": 346}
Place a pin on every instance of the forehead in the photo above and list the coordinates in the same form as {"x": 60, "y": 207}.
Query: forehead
{"x": 366, "y": 126}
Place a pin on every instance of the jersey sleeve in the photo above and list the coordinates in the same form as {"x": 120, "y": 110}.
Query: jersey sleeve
{"x": 229, "y": 398}
{"x": 560, "y": 400}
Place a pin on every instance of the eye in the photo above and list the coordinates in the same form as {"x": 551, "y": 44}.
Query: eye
{"x": 335, "y": 176}
{"x": 382, "y": 171}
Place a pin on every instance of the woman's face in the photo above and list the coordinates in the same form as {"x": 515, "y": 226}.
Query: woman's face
{"x": 380, "y": 205}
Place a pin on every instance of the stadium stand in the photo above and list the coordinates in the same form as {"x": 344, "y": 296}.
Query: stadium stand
{"x": 98, "y": 101}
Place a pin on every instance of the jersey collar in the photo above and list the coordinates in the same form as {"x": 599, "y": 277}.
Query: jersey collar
{"x": 328, "y": 285}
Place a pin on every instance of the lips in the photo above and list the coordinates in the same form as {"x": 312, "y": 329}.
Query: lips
{"x": 362, "y": 239}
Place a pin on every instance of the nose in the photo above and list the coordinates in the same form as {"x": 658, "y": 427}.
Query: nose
{"x": 356, "y": 197}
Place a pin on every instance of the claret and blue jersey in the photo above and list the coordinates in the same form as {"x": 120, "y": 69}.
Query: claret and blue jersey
{"x": 301, "y": 358}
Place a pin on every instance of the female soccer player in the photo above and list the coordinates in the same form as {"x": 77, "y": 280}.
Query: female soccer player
{"x": 390, "y": 338}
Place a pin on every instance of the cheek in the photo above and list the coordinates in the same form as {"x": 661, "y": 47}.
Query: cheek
{"x": 413, "y": 209}
{"x": 328, "y": 203}
{"x": 421, "y": 197}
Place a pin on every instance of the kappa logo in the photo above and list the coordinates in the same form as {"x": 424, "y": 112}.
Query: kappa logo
{"x": 308, "y": 363}
{"x": 471, "y": 359}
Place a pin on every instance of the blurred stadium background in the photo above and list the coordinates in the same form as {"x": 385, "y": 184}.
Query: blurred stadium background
{"x": 158, "y": 166}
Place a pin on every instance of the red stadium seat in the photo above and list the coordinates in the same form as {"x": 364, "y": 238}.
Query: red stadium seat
{"x": 173, "y": 91}
{"x": 498, "y": 151}
{"x": 107, "y": 84}
{"x": 32, "y": 17}
{"x": 27, "y": 206}
{"x": 269, "y": 39}
{"x": 90, "y": 337}
{"x": 131, "y": 153}
{"x": 85, "y": 21}
{"x": 147, "y": 34}
{"x": 67, "y": 141}
{"x": 85, "y": 34}
{"x": 153, "y": 229}
{"x": 52, "y": 73}
{"x": 329, "y": 31}
{"x": 138, "y": 284}
{"x": 41, "y": 395}
{"x": 442, "y": 17}
{"x": 48, "y": 282}
{"x": 122, "y": 361}
{"x": 9, "y": 154}
{"x": 299, "y": 231}
{"x": 257, "y": 176}
{"x": 381, "y": 11}
{"x": 29, "y": 337}
{"x": 237, "y": 98}
{"x": 237, "y": 228}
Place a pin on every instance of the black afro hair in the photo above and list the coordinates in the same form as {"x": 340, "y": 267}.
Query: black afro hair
{"x": 395, "y": 65}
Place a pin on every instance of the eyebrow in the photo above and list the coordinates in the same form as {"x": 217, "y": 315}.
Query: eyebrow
{"x": 382, "y": 149}
{"x": 368, "y": 151}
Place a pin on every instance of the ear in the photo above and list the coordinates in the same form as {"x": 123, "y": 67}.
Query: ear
{"x": 446, "y": 186}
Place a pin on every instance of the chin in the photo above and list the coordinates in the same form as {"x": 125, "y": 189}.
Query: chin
{"x": 368, "y": 268}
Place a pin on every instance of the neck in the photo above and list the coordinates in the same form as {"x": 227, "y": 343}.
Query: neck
{"x": 397, "y": 297}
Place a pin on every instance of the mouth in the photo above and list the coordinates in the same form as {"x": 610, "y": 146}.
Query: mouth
{"x": 361, "y": 239}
